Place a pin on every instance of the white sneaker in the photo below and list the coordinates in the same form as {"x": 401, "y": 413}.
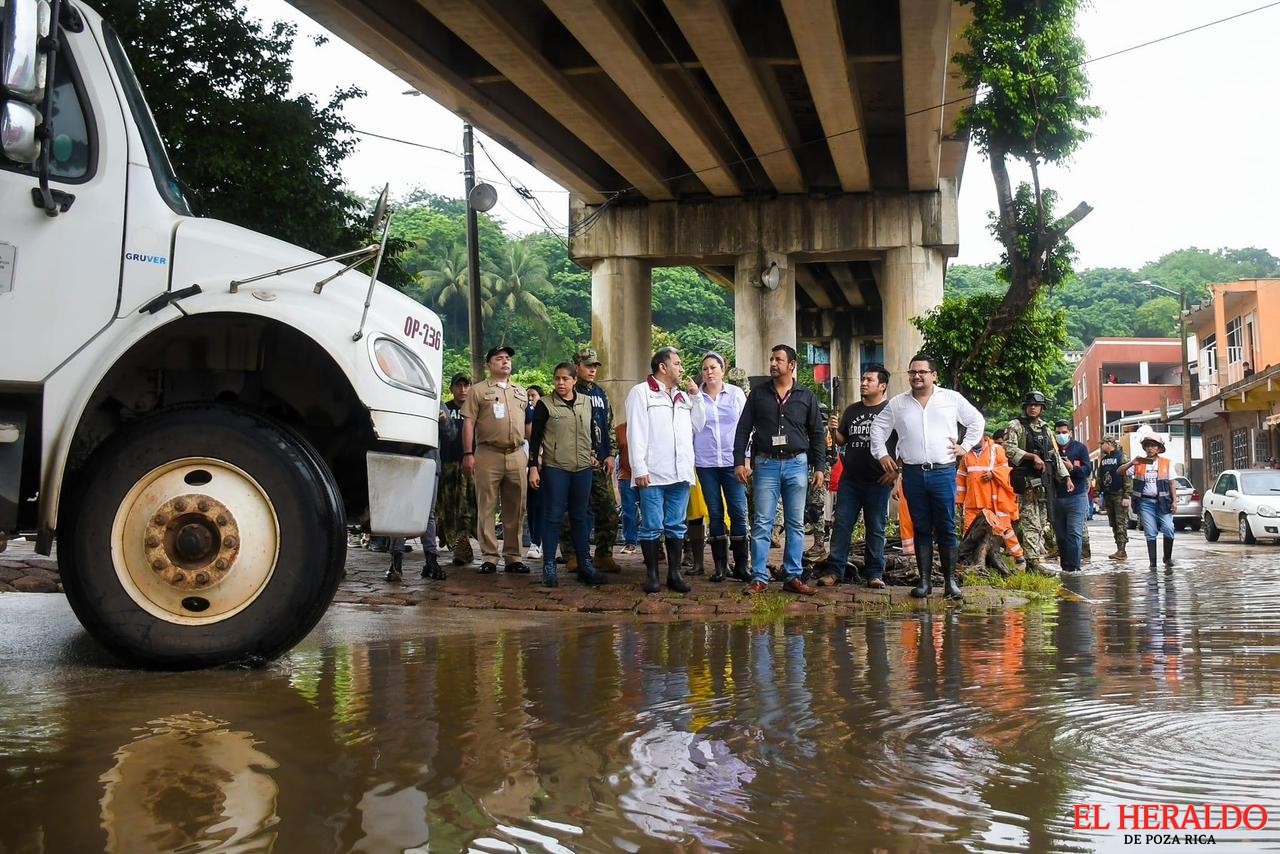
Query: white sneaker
{"x": 534, "y": 553}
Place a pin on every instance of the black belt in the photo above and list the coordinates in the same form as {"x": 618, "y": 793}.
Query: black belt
{"x": 490, "y": 447}
{"x": 779, "y": 455}
{"x": 929, "y": 466}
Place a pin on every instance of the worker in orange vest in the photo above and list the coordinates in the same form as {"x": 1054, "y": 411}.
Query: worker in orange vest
{"x": 984, "y": 490}
{"x": 1154, "y": 497}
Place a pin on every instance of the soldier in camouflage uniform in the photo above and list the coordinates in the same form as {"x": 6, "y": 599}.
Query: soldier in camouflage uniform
{"x": 1113, "y": 493}
{"x": 815, "y": 503}
{"x": 604, "y": 504}
{"x": 456, "y": 508}
{"x": 1030, "y": 447}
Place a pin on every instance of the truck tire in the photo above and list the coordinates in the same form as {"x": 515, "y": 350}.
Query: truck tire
{"x": 201, "y": 536}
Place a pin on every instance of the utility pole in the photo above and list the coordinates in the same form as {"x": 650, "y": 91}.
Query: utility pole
{"x": 475, "y": 328}
{"x": 1186, "y": 387}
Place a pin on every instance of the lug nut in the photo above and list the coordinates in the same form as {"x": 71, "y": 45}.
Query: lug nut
{"x": 159, "y": 520}
{"x": 180, "y": 506}
{"x": 221, "y": 520}
{"x": 202, "y": 505}
{"x": 229, "y": 542}
{"x": 153, "y": 541}
{"x": 179, "y": 578}
{"x": 157, "y": 564}
{"x": 220, "y": 563}
{"x": 202, "y": 579}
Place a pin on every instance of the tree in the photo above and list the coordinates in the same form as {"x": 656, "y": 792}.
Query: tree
{"x": 251, "y": 152}
{"x": 1027, "y": 67}
{"x": 1157, "y": 318}
{"x": 521, "y": 275}
{"x": 1010, "y": 366}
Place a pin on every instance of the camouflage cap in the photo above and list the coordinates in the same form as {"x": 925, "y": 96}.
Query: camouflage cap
{"x": 737, "y": 376}
{"x": 1111, "y": 440}
{"x": 586, "y": 356}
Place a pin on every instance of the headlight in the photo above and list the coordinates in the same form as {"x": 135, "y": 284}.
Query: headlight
{"x": 396, "y": 365}
{"x": 1267, "y": 510}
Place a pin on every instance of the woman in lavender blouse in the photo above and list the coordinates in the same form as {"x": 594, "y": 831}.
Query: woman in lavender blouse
{"x": 713, "y": 460}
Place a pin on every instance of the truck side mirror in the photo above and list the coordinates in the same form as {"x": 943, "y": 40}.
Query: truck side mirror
{"x": 18, "y": 124}
{"x": 23, "y": 65}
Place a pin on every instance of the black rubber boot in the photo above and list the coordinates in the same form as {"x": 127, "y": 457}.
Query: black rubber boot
{"x": 696, "y": 546}
{"x": 741, "y": 549}
{"x": 432, "y": 569}
{"x": 719, "y": 559}
{"x": 1151, "y": 552}
{"x": 675, "y": 580}
{"x": 949, "y": 586}
{"x": 924, "y": 565}
{"x": 649, "y": 548}
{"x": 1168, "y": 554}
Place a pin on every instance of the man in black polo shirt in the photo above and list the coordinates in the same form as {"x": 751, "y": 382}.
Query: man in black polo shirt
{"x": 784, "y": 426}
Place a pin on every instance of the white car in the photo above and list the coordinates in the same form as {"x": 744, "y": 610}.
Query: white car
{"x": 1246, "y": 501}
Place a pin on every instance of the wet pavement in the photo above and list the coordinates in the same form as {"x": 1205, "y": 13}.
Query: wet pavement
{"x": 399, "y": 729}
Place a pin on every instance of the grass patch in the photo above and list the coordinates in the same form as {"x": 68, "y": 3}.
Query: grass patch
{"x": 1031, "y": 583}
{"x": 768, "y": 606}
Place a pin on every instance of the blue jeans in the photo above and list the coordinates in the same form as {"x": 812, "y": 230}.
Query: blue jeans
{"x": 872, "y": 500}
{"x": 629, "y": 508}
{"x": 663, "y": 509}
{"x": 791, "y": 479}
{"x": 566, "y": 491}
{"x": 720, "y": 486}
{"x": 1069, "y": 515}
{"x": 931, "y": 498}
{"x": 534, "y": 504}
{"x": 1153, "y": 521}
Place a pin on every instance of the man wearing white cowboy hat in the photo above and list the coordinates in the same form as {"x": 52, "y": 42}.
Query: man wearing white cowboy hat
{"x": 1154, "y": 497}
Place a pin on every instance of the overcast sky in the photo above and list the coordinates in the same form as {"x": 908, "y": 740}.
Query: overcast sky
{"x": 1184, "y": 154}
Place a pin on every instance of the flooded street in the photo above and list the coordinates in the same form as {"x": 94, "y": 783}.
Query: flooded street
{"x": 416, "y": 729}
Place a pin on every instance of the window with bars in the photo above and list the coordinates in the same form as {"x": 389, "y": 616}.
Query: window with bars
{"x": 1261, "y": 446}
{"x": 1216, "y": 461}
{"x": 1240, "y": 448}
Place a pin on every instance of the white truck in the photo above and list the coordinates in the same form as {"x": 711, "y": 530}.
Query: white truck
{"x": 192, "y": 410}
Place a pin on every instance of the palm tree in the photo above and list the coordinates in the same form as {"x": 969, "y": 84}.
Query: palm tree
{"x": 446, "y": 282}
{"x": 523, "y": 271}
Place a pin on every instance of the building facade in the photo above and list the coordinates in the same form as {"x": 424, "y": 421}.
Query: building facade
{"x": 1119, "y": 377}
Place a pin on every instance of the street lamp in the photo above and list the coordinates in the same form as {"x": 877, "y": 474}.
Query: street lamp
{"x": 1186, "y": 370}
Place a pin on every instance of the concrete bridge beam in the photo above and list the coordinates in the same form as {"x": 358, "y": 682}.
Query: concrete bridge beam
{"x": 621, "y": 325}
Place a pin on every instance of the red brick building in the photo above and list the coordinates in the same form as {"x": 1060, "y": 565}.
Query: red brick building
{"x": 1124, "y": 376}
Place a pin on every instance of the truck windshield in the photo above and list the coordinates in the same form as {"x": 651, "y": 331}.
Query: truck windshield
{"x": 161, "y": 169}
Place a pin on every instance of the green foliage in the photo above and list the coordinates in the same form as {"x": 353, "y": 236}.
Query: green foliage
{"x": 1008, "y": 367}
{"x": 252, "y": 152}
{"x": 1027, "y": 64}
{"x": 1029, "y": 213}
{"x": 1157, "y": 318}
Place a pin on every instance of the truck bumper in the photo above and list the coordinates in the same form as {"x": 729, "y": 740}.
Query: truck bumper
{"x": 402, "y": 491}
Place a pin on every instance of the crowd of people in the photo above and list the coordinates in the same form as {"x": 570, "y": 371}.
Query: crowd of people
{"x": 700, "y": 460}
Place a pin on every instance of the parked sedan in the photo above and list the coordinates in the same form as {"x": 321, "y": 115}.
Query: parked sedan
{"x": 1189, "y": 509}
{"x": 1245, "y": 502}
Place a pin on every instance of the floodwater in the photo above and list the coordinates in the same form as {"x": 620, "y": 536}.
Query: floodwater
{"x": 967, "y": 731}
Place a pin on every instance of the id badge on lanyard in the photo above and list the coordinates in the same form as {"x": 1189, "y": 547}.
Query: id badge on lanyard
{"x": 779, "y": 439}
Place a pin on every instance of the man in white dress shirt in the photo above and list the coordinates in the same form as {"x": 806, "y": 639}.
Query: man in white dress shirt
{"x": 929, "y": 420}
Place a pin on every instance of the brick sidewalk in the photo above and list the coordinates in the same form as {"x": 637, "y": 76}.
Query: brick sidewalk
{"x": 21, "y": 570}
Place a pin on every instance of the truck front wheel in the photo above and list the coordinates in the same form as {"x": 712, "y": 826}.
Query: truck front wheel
{"x": 200, "y": 536}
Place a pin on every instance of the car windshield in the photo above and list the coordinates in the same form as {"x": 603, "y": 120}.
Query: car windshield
{"x": 1183, "y": 483}
{"x": 1260, "y": 482}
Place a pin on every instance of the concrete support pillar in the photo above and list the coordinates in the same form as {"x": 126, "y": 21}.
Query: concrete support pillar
{"x": 763, "y": 318}
{"x": 621, "y": 325}
{"x": 910, "y": 285}
{"x": 846, "y": 363}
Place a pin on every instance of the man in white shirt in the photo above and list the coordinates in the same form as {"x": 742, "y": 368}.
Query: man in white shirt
{"x": 661, "y": 421}
{"x": 928, "y": 421}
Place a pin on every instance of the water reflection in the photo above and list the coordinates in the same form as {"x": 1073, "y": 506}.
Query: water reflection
{"x": 978, "y": 731}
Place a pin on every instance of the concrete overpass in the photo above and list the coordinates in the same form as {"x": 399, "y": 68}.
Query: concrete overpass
{"x": 813, "y": 138}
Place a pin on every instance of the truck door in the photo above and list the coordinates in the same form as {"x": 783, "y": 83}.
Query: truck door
{"x": 60, "y": 276}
